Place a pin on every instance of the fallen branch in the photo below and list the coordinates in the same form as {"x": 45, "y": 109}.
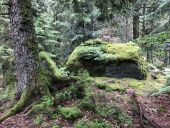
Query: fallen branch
{"x": 4, "y": 14}
{"x": 142, "y": 115}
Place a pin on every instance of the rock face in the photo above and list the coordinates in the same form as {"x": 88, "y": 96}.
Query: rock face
{"x": 108, "y": 59}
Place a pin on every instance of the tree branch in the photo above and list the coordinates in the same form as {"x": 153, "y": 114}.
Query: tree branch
{"x": 4, "y": 14}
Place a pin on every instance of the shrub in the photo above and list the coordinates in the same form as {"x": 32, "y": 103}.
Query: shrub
{"x": 70, "y": 113}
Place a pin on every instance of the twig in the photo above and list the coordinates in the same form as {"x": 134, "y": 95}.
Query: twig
{"x": 6, "y": 4}
{"x": 140, "y": 110}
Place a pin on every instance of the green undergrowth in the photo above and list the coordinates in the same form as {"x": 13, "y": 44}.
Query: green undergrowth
{"x": 108, "y": 110}
{"x": 70, "y": 113}
{"x": 76, "y": 90}
{"x": 92, "y": 124}
{"x": 44, "y": 107}
{"x": 83, "y": 98}
{"x": 7, "y": 93}
{"x": 166, "y": 88}
{"x": 87, "y": 104}
{"x": 39, "y": 119}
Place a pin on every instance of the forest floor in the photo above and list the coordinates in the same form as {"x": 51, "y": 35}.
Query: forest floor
{"x": 131, "y": 96}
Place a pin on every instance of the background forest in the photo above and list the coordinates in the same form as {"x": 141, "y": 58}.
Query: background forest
{"x": 67, "y": 45}
{"x": 62, "y": 25}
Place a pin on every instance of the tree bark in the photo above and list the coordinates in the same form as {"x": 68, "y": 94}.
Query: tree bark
{"x": 136, "y": 23}
{"x": 143, "y": 23}
{"x": 24, "y": 44}
{"x": 25, "y": 52}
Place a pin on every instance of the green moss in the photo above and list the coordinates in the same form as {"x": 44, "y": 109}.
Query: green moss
{"x": 108, "y": 51}
{"x": 55, "y": 126}
{"x": 141, "y": 87}
{"x": 137, "y": 84}
{"x": 101, "y": 85}
{"x": 52, "y": 65}
{"x": 70, "y": 113}
{"x": 110, "y": 87}
{"x": 92, "y": 124}
{"x": 59, "y": 73}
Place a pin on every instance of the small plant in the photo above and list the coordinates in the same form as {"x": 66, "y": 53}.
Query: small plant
{"x": 92, "y": 124}
{"x": 111, "y": 111}
{"x": 87, "y": 104}
{"x": 161, "y": 109}
{"x": 73, "y": 92}
{"x": 39, "y": 119}
{"x": 70, "y": 113}
{"x": 47, "y": 101}
{"x": 124, "y": 119}
{"x": 55, "y": 126}
{"x": 106, "y": 110}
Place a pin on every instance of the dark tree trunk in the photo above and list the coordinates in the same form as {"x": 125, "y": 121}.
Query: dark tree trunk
{"x": 143, "y": 23}
{"x": 126, "y": 33}
{"x": 23, "y": 40}
{"x": 136, "y": 24}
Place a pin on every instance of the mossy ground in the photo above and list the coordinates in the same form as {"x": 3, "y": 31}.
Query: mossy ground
{"x": 141, "y": 87}
{"x": 99, "y": 101}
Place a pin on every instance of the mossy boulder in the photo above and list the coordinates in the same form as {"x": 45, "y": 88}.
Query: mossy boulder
{"x": 107, "y": 59}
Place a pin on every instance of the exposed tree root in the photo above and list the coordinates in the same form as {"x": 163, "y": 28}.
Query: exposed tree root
{"x": 56, "y": 72}
{"x": 142, "y": 115}
{"x": 18, "y": 107}
{"x": 43, "y": 85}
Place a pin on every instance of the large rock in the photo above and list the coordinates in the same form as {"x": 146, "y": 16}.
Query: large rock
{"x": 108, "y": 59}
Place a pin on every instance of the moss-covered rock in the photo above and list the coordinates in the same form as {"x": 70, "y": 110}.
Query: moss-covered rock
{"x": 108, "y": 59}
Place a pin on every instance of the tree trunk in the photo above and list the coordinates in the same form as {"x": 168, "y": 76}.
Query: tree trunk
{"x": 136, "y": 23}
{"x": 143, "y": 23}
{"x": 126, "y": 32}
{"x": 24, "y": 45}
{"x": 166, "y": 58}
